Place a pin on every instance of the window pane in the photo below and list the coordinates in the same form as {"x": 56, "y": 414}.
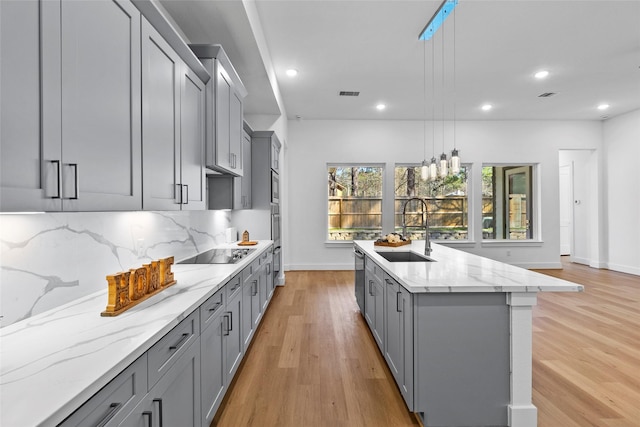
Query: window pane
{"x": 447, "y": 203}
{"x": 355, "y": 202}
{"x": 507, "y": 202}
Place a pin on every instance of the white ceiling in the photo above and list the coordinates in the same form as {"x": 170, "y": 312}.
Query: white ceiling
{"x": 591, "y": 48}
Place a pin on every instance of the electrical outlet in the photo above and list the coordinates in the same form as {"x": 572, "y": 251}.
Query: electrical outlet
{"x": 508, "y": 253}
{"x": 140, "y": 247}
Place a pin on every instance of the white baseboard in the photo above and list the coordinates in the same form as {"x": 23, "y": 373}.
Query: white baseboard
{"x": 624, "y": 269}
{"x": 539, "y": 265}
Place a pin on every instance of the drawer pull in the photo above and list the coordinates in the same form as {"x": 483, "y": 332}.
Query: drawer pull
{"x": 159, "y": 402}
{"x": 149, "y": 416}
{"x": 254, "y": 288}
{"x": 215, "y": 307}
{"x": 181, "y": 341}
{"x": 227, "y": 331}
{"x": 398, "y": 305}
{"x": 113, "y": 410}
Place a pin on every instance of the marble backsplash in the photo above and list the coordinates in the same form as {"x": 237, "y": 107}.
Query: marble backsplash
{"x": 50, "y": 259}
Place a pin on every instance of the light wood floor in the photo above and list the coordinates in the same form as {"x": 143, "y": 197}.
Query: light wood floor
{"x": 314, "y": 363}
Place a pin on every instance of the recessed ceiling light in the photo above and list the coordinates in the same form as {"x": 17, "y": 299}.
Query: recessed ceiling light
{"x": 603, "y": 107}
{"x": 486, "y": 107}
{"x": 380, "y": 107}
{"x": 292, "y": 72}
{"x": 541, "y": 74}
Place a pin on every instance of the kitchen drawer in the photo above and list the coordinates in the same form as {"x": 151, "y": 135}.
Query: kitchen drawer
{"x": 250, "y": 269}
{"x": 373, "y": 267}
{"x": 233, "y": 286}
{"x": 110, "y": 405}
{"x": 166, "y": 351}
{"x": 210, "y": 308}
{"x": 264, "y": 256}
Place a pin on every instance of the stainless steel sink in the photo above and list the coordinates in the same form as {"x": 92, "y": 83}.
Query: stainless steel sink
{"x": 404, "y": 257}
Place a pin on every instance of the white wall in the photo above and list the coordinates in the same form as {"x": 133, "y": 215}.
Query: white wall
{"x": 314, "y": 143}
{"x": 622, "y": 144}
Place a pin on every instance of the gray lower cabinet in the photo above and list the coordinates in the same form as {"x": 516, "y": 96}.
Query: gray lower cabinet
{"x": 212, "y": 355}
{"x": 109, "y": 406}
{"x": 399, "y": 336}
{"x": 374, "y": 301}
{"x": 251, "y": 301}
{"x": 234, "y": 348}
{"x": 175, "y": 399}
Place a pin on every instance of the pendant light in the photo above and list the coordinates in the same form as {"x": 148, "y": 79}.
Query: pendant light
{"x": 424, "y": 172}
{"x": 455, "y": 158}
{"x": 443, "y": 157}
{"x": 433, "y": 167}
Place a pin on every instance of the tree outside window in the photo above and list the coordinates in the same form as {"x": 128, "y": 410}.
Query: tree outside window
{"x": 447, "y": 202}
{"x": 507, "y": 202}
{"x": 355, "y": 202}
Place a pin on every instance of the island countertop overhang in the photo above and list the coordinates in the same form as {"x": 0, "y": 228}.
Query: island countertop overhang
{"x": 454, "y": 270}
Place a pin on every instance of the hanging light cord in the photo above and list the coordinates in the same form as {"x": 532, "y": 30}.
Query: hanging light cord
{"x": 424, "y": 104}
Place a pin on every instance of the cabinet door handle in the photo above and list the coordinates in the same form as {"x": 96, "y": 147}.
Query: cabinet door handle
{"x": 179, "y": 342}
{"x": 75, "y": 180}
{"x": 227, "y": 316}
{"x": 254, "y": 288}
{"x": 159, "y": 402}
{"x": 58, "y": 178}
{"x": 398, "y": 299}
{"x": 268, "y": 268}
{"x": 178, "y": 199}
{"x": 186, "y": 198}
{"x": 371, "y": 288}
{"x": 230, "y": 321}
{"x": 149, "y": 416}
{"x": 113, "y": 410}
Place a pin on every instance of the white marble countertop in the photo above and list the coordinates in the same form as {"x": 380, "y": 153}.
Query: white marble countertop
{"x": 51, "y": 363}
{"x": 458, "y": 271}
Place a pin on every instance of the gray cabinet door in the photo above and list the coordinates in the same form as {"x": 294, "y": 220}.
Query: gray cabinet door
{"x": 26, "y": 167}
{"x": 161, "y": 68}
{"x": 223, "y": 155}
{"x": 175, "y": 399}
{"x": 70, "y": 106}
{"x": 235, "y": 132}
{"x": 248, "y": 291}
{"x": 233, "y": 336}
{"x": 399, "y": 337}
{"x": 100, "y": 62}
{"x": 242, "y": 185}
{"x": 379, "y": 297}
{"x": 193, "y": 177}
{"x": 212, "y": 367}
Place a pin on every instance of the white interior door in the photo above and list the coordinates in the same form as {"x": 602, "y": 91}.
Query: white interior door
{"x": 566, "y": 209}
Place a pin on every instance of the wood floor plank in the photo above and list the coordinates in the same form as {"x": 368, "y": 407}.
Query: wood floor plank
{"x": 313, "y": 362}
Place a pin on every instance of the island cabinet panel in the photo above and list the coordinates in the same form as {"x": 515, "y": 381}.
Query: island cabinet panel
{"x": 175, "y": 399}
{"x": 374, "y": 301}
{"x": 399, "y": 336}
{"x": 110, "y": 405}
{"x": 461, "y": 358}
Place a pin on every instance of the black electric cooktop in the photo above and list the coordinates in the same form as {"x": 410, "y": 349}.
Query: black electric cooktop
{"x": 218, "y": 256}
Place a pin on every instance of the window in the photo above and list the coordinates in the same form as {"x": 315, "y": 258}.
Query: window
{"x": 355, "y": 202}
{"x": 447, "y": 204}
{"x": 507, "y": 202}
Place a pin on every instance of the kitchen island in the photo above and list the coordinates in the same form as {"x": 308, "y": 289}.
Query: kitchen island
{"x": 456, "y": 332}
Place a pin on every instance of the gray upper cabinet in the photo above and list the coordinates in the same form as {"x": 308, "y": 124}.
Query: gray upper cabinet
{"x": 242, "y": 185}
{"x": 21, "y": 160}
{"x": 71, "y": 128}
{"x": 173, "y": 128}
{"x": 224, "y": 111}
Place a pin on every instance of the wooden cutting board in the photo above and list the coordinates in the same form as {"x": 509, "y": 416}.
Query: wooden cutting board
{"x": 248, "y": 243}
{"x": 393, "y": 245}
